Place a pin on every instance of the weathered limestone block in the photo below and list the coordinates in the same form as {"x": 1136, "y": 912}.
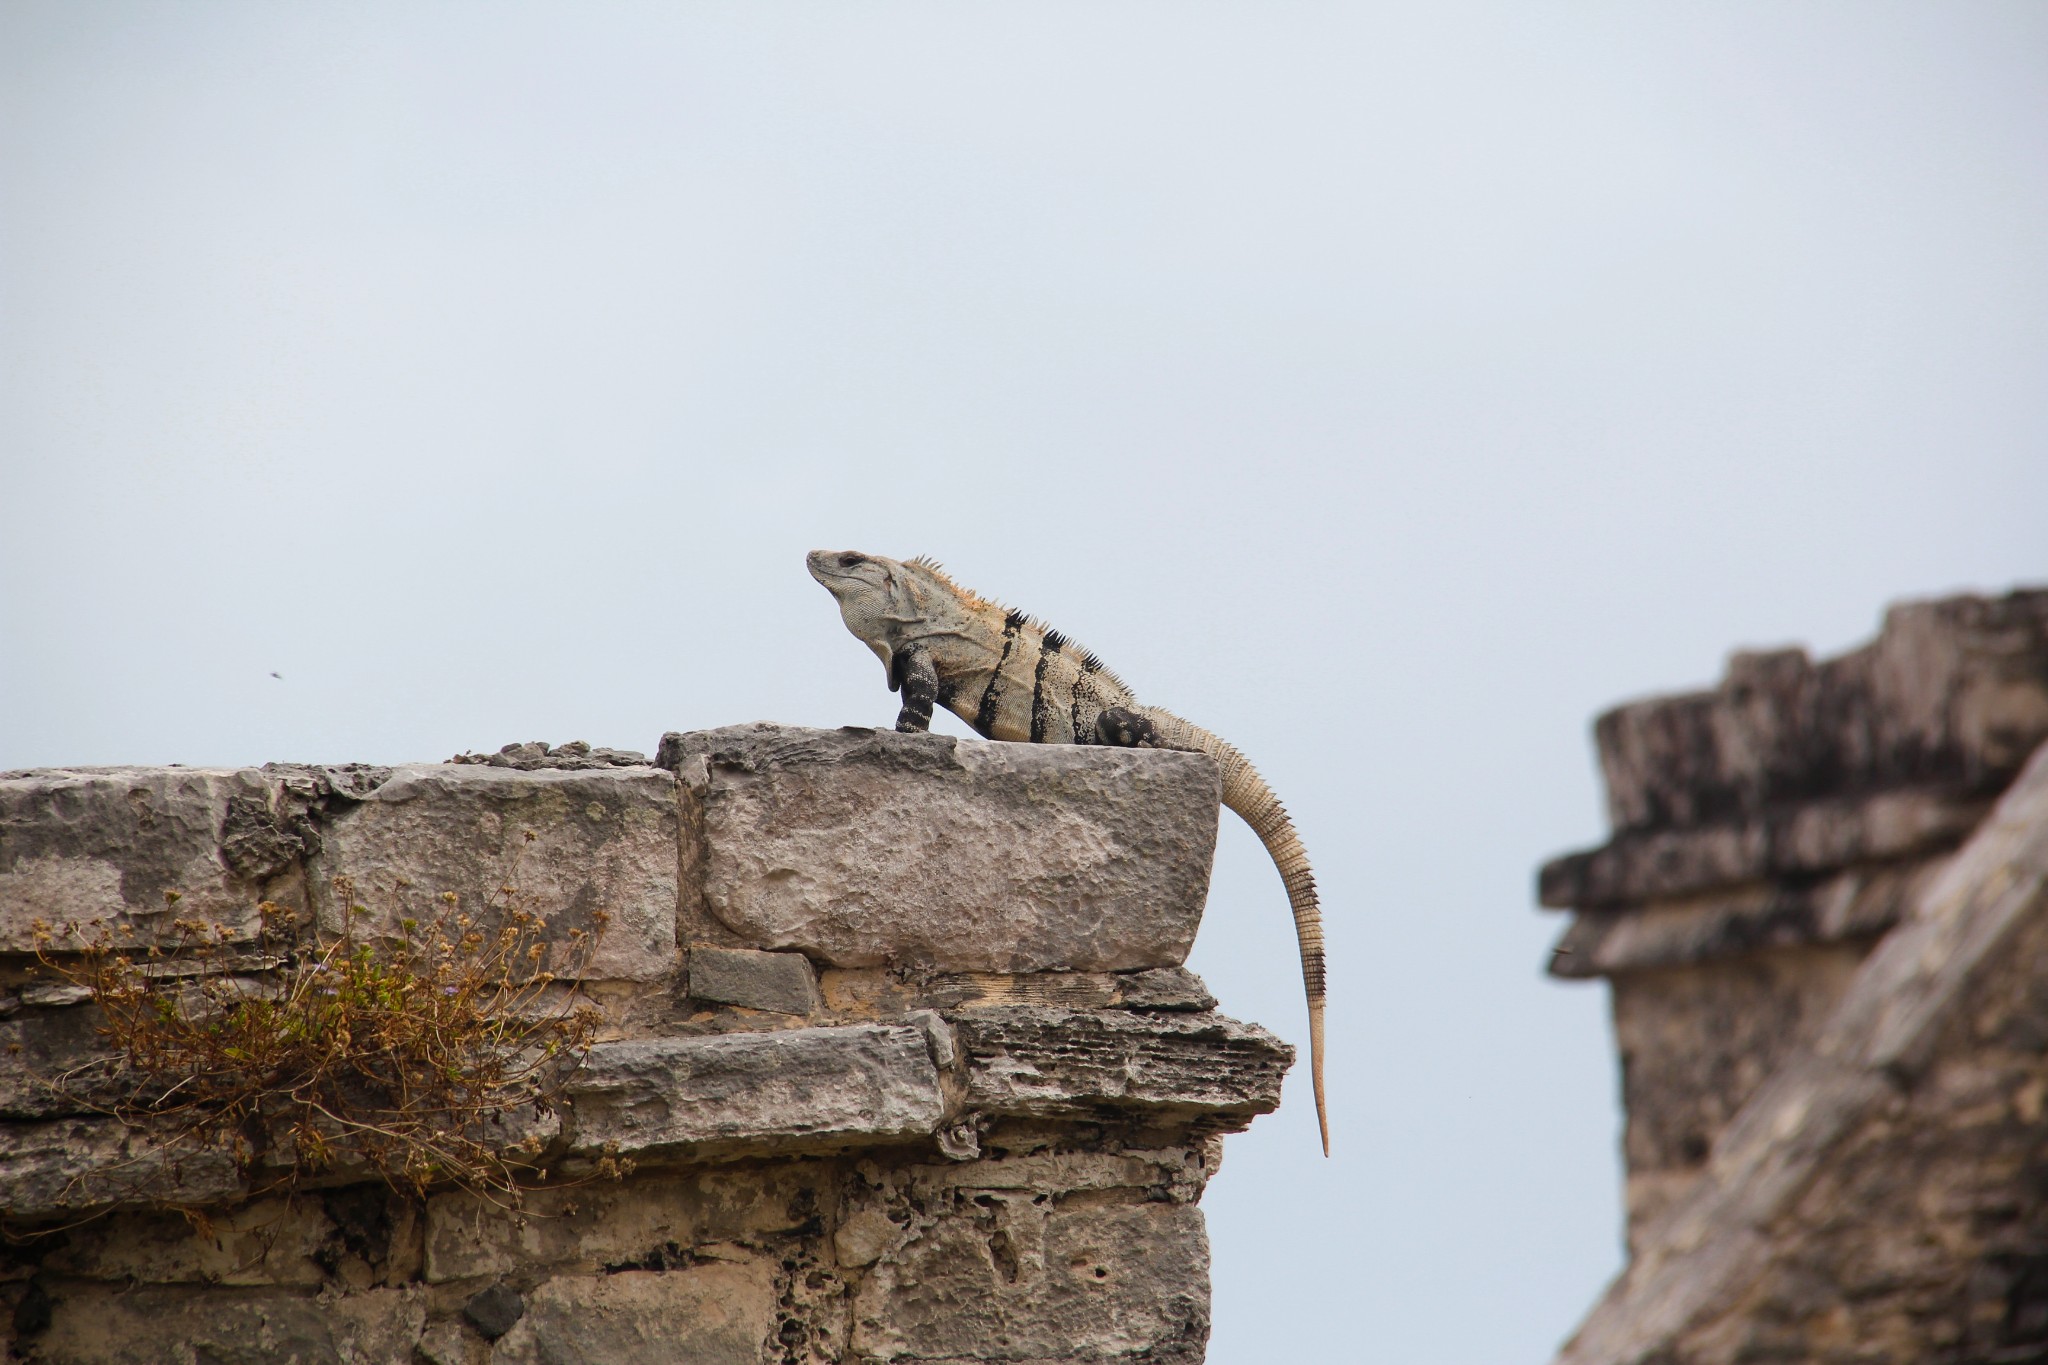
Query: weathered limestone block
{"x": 781, "y": 982}
{"x": 119, "y": 1325}
{"x": 793, "y": 1089}
{"x": 703, "y": 1315}
{"x": 1791, "y": 768}
{"x": 1021, "y": 1282}
{"x": 861, "y": 847}
{"x": 588, "y": 1227}
{"x": 604, "y": 840}
{"x": 1952, "y": 693}
{"x": 111, "y": 844}
{"x": 1046, "y": 1061}
{"x": 73, "y": 1164}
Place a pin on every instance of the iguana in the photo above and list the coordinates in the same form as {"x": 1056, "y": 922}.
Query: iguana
{"x": 1013, "y": 678}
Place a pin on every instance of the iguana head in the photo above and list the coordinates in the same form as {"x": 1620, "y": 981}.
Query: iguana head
{"x": 875, "y": 595}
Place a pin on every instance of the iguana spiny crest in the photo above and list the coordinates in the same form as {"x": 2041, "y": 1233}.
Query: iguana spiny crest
{"x": 1013, "y": 678}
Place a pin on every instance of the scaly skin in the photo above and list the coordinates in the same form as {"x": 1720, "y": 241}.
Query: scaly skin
{"x": 1013, "y": 678}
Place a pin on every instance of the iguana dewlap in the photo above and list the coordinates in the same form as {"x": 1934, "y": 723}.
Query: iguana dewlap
{"x": 1013, "y": 678}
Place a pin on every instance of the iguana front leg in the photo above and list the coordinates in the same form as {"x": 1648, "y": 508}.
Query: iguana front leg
{"x": 919, "y": 680}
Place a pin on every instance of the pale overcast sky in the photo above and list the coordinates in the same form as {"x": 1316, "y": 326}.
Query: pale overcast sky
{"x": 1386, "y": 389}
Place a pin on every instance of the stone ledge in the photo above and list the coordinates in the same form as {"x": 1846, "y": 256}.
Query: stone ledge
{"x": 70, "y": 1164}
{"x": 805, "y": 1089}
{"x": 1857, "y": 905}
{"x": 1796, "y": 842}
{"x": 1041, "y": 1061}
{"x": 862, "y": 848}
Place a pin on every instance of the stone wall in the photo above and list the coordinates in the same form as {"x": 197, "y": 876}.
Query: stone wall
{"x": 1767, "y": 834}
{"x": 1824, "y": 913}
{"x": 896, "y": 1035}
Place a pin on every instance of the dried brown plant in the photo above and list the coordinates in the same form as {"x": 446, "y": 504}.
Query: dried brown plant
{"x": 433, "y": 1057}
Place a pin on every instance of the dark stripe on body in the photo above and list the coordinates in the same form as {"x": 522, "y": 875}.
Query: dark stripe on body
{"x": 985, "y": 713}
{"x": 1041, "y": 708}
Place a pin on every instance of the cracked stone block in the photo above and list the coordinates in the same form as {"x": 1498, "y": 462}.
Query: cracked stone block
{"x": 1048, "y": 1062}
{"x": 806, "y": 1088}
{"x": 702, "y": 1315}
{"x": 111, "y": 844}
{"x": 604, "y": 840}
{"x": 781, "y": 982}
{"x": 862, "y": 848}
{"x": 1006, "y": 1279}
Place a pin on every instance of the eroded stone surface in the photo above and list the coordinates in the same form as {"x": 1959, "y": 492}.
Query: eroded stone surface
{"x": 621, "y": 1223}
{"x": 861, "y": 847}
{"x": 782, "y": 1173}
{"x": 790, "y": 1089}
{"x": 705, "y": 1315}
{"x": 112, "y": 844}
{"x": 1015, "y": 1280}
{"x": 1881, "y": 1195}
{"x": 605, "y": 840}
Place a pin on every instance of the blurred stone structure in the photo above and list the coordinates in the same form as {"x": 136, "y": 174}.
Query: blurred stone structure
{"x": 897, "y": 1034}
{"x": 1823, "y": 919}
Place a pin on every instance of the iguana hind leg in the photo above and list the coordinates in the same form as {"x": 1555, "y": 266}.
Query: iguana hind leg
{"x": 1123, "y": 728}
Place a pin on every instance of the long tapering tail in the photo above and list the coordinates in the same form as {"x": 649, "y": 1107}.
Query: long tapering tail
{"x": 1245, "y": 792}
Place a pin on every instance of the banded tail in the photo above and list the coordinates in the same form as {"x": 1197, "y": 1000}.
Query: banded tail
{"x": 1245, "y": 792}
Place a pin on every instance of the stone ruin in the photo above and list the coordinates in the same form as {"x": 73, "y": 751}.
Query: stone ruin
{"x": 1823, "y": 917}
{"x": 897, "y": 1039}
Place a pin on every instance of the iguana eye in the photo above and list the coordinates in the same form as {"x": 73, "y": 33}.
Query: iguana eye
{"x": 849, "y": 561}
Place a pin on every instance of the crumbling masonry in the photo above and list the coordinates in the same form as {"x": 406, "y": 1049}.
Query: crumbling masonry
{"x": 1824, "y": 916}
{"x": 897, "y": 1037}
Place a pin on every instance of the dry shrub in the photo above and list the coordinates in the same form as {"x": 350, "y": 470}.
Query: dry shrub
{"x": 434, "y": 1058}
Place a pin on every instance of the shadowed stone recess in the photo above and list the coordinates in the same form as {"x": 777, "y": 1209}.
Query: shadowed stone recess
{"x": 782, "y": 982}
{"x": 863, "y": 847}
